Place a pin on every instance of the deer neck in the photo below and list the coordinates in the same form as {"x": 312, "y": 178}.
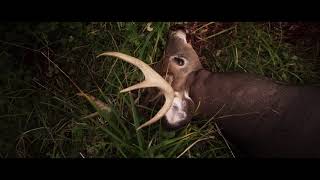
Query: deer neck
{"x": 232, "y": 93}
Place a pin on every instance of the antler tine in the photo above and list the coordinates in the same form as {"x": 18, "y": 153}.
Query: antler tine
{"x": 152, "y": 79}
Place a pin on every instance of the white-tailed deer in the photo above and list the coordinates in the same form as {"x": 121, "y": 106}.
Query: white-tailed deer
{"x": 260, "y": 117}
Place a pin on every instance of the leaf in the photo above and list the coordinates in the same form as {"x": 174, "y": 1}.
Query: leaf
{"x": 101, "y": 105}
{"x": 149, "y": 28}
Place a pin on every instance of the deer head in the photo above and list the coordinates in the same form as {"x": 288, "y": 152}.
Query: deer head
{"x": 178, "y": 61}
{"x": 179, "y": 58}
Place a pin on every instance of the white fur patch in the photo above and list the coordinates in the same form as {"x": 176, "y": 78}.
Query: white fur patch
{"x": 184, "y": 59}
{"x": 186, "y": 94}
{"x": 181, "y": 35}
{"x": 176, "y": 112}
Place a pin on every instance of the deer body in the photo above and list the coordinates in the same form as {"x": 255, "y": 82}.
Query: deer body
{"x": 259, "y": 116}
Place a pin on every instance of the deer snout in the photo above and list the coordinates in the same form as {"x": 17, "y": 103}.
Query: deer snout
{"x": 179, "y": 33}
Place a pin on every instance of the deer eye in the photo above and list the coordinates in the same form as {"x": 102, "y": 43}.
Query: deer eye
{"x": 178, "y": 61}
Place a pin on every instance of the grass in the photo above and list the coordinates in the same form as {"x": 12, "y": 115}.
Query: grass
{"x": 45, "y": 65}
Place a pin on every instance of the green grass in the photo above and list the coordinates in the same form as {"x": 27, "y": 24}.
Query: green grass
{"x": 43, "y": 64}
{"x": 251, "y": 48}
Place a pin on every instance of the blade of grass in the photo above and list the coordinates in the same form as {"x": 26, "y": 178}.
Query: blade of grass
{"x": 107, "y": 116}
{"x": 136, "y": 122}
{"x": 217, "y": 34}
{"x": 194, "y": 143}
{"x": 170, "y": 142}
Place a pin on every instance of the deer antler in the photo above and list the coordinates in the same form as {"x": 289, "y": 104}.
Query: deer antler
{"x": 152, "y": 79}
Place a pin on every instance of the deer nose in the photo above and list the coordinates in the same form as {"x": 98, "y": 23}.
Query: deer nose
{"x": 178, "y": 27}
{"x": 179, "y": 35}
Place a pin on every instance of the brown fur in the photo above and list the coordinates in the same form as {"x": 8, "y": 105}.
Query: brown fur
{"x": 261, "y": 117}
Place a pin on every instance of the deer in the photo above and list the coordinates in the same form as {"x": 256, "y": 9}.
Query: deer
{"x": 260, "y": 117}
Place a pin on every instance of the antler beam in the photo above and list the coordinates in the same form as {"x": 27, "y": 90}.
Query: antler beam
{"x": 152, "y": 79}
